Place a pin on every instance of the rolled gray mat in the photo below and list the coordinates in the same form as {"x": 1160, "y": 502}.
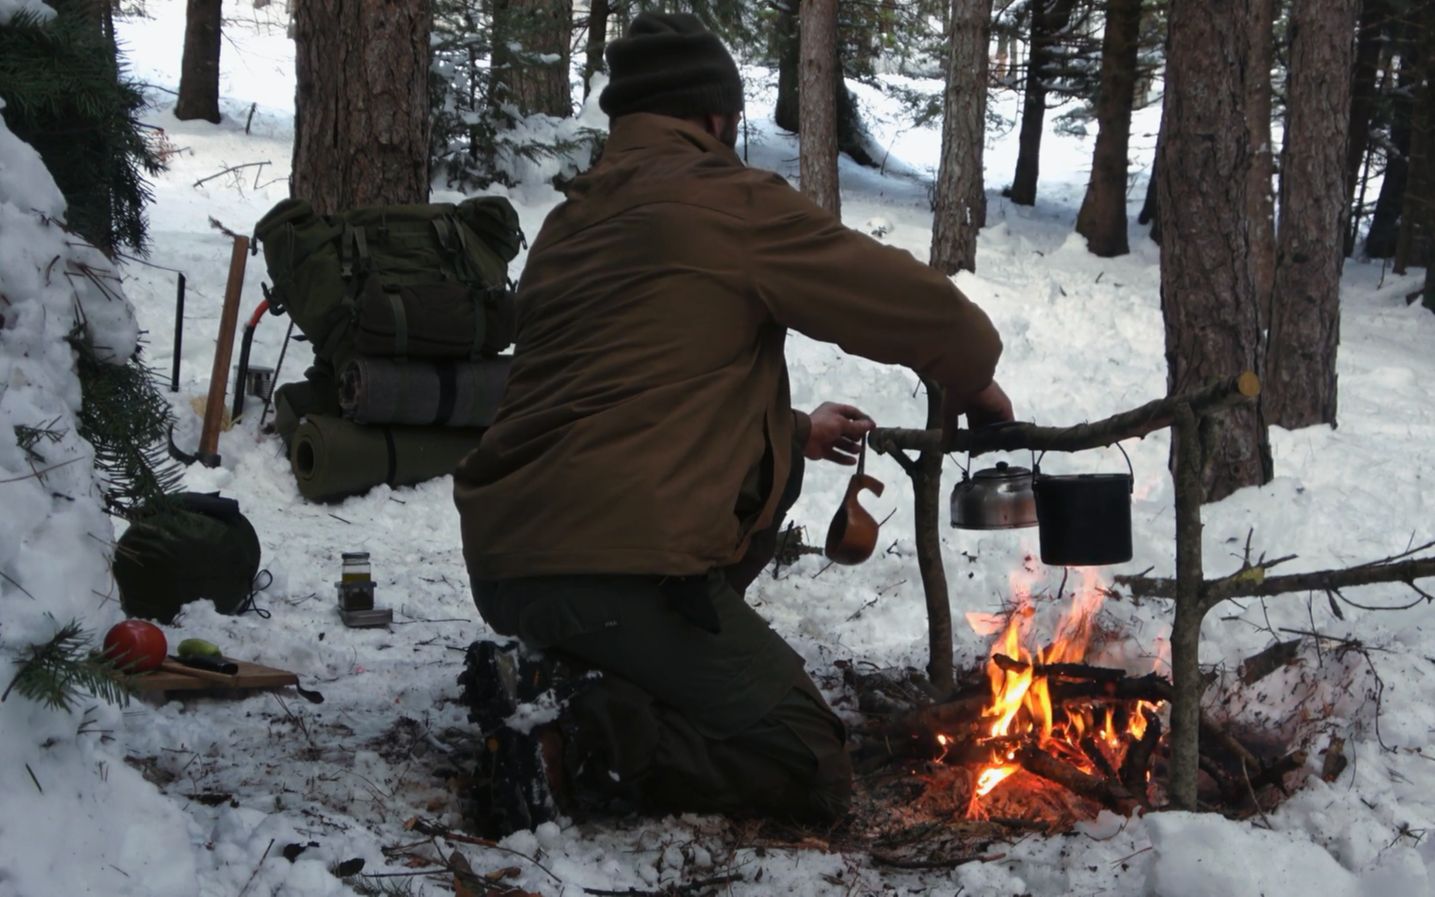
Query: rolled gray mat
{"x": 333, "y": 457}
{"x": 423, "y": 393}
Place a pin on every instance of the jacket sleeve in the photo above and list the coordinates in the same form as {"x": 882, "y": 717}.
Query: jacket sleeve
{"x": 840, "y": 286}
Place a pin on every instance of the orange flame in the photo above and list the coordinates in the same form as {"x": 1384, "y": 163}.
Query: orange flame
{"x": 1021, "y": 704}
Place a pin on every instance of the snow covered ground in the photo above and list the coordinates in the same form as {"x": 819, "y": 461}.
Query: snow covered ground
{"x": 247, "y": 778}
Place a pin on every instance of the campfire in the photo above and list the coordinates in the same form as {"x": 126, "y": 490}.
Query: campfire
{"x": 1064, "y": 717}
{"x": 1091, "y": 730}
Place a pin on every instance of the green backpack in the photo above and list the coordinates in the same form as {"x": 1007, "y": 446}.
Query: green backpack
{"x": 384, "y": 276}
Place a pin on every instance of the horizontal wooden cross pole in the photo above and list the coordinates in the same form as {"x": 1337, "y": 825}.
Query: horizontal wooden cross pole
{"x": 1154, "y": 415}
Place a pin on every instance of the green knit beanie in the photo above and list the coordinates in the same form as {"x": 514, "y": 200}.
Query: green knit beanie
{"x": 670, "y": 65}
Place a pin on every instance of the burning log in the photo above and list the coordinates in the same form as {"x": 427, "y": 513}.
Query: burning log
{"x": 1080, "y": 672}
{"x": 1110, "y": 794}
{"x": 1152, "y": 688}
{"x": 1137, "y": 765}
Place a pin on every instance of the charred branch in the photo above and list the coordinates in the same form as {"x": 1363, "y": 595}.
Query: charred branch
{"x": 1080, "y": 672}
{"x": 1110, "y": 794}
{"x": 1137, "y": 765}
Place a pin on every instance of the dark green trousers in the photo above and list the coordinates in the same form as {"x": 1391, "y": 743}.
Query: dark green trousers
{"x": 700, "y": 707}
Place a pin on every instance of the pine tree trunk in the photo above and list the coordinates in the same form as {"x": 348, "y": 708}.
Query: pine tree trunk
{"x": 786, "y": 113}
{"x": 597, "y": 42}
{"x": 1369, "y": 45}
{"x": 960, "y": 208}
{"x": 1385, "y": 220}
{"x": 1261, "y": 204}
{"x": 1305, "y": 323}
{"x": 817, "y": 94}
{"x": 1102, "y": 219}
{"x": 1149, "y": 214}
{"x": 1411, "y": 243}
{"x": 199, "y": 70}
{"x": 361, "y": 129}
{"x": 531, "y": 56}
{"x": 1048, "y": 17}
{"x": 1207, "y": 293}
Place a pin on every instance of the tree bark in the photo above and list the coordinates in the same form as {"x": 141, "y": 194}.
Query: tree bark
{"x": 960, "y": 207}
{"x": 1208, "y": 297}
{"x": 818, "y": 98}
{"x": 1410, "y": 244}
{"x": 199, "y": 70}
{"x": 786, "y": 114}
{"x": 927, "y": 512}
{"x": 1370, "y": 42}
{"x": 1186, "y": 625}
{"x": 361, "y": 131}
{"x": 531, "y": 56}
{"x": 1048, "y": 17}
{"x": 1305, "y": 321}
{"x": 1149, "y": 214}
{"x": 1385, "y": 220}
{"x": 597, "y": 41}
{"x": 1260, "y": 202}
{"x": 1102, "y": 219}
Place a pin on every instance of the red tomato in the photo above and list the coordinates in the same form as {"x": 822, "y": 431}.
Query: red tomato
{"x": 136, "y": 646}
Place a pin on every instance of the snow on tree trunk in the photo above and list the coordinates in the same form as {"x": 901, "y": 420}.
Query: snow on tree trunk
{"x": 1102, "y": 219}
{"x": 817, "y": 97}
{"x": 1305, "y": 319}
{"x": 199, "y": 72}
{"x": 1208, "y": 298}
{"x": 361, "y": 130}
{"x": 530, "y": 56}
{"x": 960, "y": 203}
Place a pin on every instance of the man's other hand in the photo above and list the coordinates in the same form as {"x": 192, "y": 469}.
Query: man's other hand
{"x": 836, "y": 433}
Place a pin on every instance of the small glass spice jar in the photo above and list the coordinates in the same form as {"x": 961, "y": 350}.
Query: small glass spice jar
{"x": 355, "y": 567}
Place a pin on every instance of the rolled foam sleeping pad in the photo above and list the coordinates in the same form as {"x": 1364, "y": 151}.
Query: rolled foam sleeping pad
{"x": 333, "y": 458}
{"x": 423, "y": 393}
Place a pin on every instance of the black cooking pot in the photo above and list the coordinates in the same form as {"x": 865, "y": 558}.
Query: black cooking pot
{"x": 1084, "y": 519}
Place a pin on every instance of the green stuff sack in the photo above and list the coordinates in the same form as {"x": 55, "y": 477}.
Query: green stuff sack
{"x": 319, "y": 265}
{"x": 188, "y": 548}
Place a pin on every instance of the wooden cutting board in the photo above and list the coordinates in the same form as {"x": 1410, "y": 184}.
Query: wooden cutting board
{"x": 250, "y": 676}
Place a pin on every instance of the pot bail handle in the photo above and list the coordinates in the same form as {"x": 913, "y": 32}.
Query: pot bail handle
{"x": 1131, "y": 486}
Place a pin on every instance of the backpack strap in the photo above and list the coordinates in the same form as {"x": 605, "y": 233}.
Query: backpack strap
{"x": 401, "y": 323}
{"x": 356, "y": 263}
{"x": 444, "y": 232}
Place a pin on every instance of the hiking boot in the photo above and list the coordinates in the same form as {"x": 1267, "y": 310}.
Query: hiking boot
{"x": 514, "y": 782}
{"x": 497, "y": 678}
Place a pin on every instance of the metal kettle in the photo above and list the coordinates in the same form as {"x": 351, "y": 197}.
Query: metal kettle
{"x": 999, "y": 497}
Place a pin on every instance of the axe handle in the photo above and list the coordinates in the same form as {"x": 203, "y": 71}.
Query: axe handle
{"x": 223, "y": 352}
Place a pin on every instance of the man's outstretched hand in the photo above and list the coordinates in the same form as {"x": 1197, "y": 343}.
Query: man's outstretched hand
{"x": 837, "y": 432}
{"x": 989, "y": 405}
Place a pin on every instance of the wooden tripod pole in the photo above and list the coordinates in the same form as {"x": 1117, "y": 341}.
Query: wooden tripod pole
{"x": 208, "y": 453}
